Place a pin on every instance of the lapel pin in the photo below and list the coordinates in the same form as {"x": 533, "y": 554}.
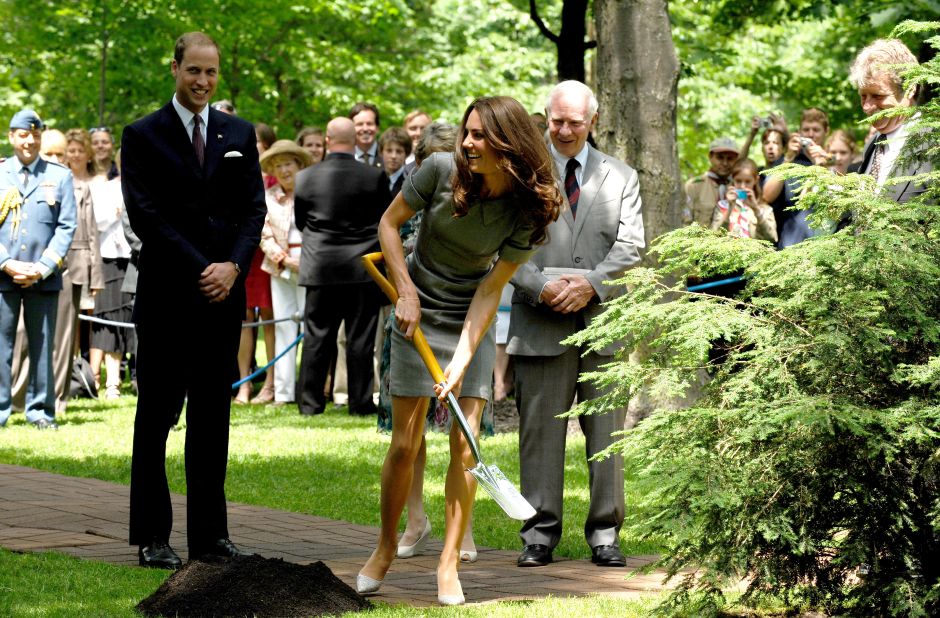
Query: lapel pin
{"x": 219, "y": 137}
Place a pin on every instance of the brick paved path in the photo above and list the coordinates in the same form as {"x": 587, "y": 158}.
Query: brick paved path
{"x": 87, "y": 518}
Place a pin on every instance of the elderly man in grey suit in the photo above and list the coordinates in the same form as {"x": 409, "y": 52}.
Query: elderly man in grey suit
{"x": 557, "y": 294}
{"x": 876, "y": 74}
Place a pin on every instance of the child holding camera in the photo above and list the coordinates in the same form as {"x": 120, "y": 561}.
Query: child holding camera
{"x": 742, "y": 212}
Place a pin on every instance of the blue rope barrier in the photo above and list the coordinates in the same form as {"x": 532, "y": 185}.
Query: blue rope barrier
{"x": 713, "y": 284}
{"x": 91, "y": 318}
{"x": 261, "y": 370}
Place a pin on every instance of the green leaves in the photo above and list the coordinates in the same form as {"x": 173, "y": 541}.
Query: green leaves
{"x": 811, "y": 448}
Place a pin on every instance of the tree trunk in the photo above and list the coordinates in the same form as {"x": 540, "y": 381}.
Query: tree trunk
{"x": 571, "y": 40}
{"x": 637, "y": 82}
{"x": 102, "y": 79}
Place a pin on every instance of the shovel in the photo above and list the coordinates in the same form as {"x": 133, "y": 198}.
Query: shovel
{"x": 490, "y": 478}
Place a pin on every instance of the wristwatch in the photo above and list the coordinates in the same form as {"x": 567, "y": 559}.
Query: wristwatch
{"x": 238, "y": 269}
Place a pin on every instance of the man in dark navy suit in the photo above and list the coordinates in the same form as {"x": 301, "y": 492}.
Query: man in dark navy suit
{"x": 193, "y": 191}
{"x": 338, "y": 204}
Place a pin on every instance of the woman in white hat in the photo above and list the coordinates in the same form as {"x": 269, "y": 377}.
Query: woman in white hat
{"x": 280, "y": 242}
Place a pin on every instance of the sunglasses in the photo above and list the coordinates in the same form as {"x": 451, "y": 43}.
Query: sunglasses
{"x": 99, "y": 129}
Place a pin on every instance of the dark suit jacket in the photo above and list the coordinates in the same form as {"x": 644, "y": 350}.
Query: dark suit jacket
{"x": 187, "y": 217}
{"x": 338, "y": 204}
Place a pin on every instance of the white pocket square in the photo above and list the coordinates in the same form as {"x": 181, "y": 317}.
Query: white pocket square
{"x": 232, "y": 154}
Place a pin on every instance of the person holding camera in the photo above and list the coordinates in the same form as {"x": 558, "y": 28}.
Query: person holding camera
{"x": 803, "y": 148}
{"x": 742, "y": 212}
{"x": 774, "y": 136}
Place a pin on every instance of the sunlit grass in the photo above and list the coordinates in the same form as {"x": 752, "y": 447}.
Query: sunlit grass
{"x": 53, "y": 585}
{"x": 327, "y": 465}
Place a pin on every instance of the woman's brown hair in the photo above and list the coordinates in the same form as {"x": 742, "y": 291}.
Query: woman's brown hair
{"x": 521, "y": 154}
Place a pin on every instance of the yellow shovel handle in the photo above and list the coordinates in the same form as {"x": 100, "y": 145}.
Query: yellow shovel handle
{"x": 370, "y": 261}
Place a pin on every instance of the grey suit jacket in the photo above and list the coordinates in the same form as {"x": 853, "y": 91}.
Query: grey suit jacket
{"x": 904, "y": 191}
{"x": 605, "y": 238}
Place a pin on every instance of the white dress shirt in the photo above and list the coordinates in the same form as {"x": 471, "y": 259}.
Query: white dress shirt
{"x": 894, "y": 142}
{"x": 186, "y": 117}
{"x": 561, "y": 163}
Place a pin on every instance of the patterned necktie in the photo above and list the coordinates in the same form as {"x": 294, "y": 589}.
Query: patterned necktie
{"x": 199, "y": 144}
{"x": 877, "y": 156}
{"x": 571, "y": 185}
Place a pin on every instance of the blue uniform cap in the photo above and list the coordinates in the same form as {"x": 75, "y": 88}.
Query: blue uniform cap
{"x": 26, "y": 119}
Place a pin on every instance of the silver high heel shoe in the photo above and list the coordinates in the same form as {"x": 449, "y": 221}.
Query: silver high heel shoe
{"x": 408, "y": 551}
{"x": 451, "y": 599}
{"x": 367, "y": 585}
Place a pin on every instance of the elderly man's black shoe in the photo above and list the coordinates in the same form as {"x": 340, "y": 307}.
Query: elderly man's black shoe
{"x": 608, "y": 556}
{"x": 221, "y": 547}
{"x": 158, "y": 555}
{"x": 534, "y": 556}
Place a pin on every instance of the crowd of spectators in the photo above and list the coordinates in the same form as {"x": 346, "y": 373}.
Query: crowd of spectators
{"x": 747, "y": 200}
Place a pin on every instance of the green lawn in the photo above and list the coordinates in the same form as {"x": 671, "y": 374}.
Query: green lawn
{"x": 326, "y": 465}
{"x": 53, "y": 585}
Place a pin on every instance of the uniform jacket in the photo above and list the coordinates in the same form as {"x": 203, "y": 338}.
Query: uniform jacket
{"x": 187, "y": 217}
{"x": 701, "y": 194}
{"x": 42, "y": 230}
{"x": 605, "y": 238}
{"x": 337, "y": 205}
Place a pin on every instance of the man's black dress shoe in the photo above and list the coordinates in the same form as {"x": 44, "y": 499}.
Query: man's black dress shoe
{"x": 222, "y": 547}
{"x": 158, "y": 555}
{"x": 608, "y": 556}
{"x": 309, "y": 412}
{"x": 534, "y": 555}
{"x": 45, "y": 423}
{"x": 370, "y": 410}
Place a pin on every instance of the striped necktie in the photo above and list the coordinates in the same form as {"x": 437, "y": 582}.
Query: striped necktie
{"x": 571, "y": 185}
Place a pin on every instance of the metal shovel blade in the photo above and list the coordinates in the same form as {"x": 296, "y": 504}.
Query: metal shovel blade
{"x": 501, "y": 489}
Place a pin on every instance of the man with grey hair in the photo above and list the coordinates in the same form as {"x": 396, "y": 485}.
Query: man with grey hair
{"x": 875, "y": 74}
{"x": 557, "y": 294}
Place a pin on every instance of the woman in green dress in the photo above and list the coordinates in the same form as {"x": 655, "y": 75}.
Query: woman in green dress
{"x": 486, "y": 208}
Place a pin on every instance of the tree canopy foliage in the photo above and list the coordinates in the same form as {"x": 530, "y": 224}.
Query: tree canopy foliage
{"x": 285, "y": 62}
{"x": 295, "y": 62}
{"x": 808, "y": 469}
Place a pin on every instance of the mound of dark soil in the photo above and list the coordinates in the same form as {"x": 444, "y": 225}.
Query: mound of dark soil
{"x": 251, "y": 587}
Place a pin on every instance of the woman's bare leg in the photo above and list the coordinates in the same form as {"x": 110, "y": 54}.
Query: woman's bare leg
{"x": 268, "y": 314}
{"x": 408, "y": 414}
{"x": 245, "y": 350}
{"x": 95, "y": 357}
{"x": 459, "y": 491}
{"x": 415, "y": 503}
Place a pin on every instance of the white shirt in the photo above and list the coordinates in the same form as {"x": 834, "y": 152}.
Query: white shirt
{"x": 372, "y": 152}
{"x": 394, "y": 177}
{"x": 187, "y": 116}
{"x": 894, "y": 143}
{"x": 108, "y": 204}
{"x": 561, "y": 162}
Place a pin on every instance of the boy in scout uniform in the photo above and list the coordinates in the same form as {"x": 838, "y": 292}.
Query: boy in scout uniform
{"x": 37, "y": 220}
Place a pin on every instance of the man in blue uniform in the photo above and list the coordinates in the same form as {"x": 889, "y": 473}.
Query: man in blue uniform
{"x": 37, "y": 221}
